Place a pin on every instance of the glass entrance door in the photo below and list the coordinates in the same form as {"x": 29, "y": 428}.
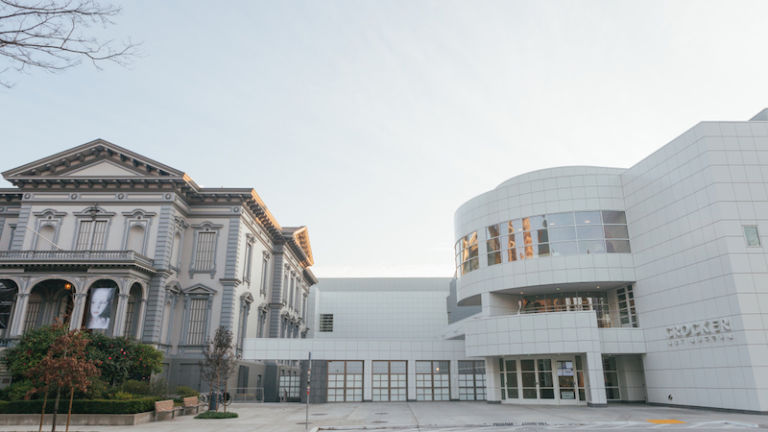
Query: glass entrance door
{"x": 566, "y": 380}
{"x": 535, "y": 380}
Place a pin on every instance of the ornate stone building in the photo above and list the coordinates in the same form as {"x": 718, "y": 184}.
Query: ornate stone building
{"x": 114, "y": 241}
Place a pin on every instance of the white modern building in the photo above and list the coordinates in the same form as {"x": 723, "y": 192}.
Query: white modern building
{"x": 111, "y": 240}
{"x": 590, "y": 285}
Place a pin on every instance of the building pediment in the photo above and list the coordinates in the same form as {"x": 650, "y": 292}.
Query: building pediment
{"x": 199, "y": 289}
{"x": 97, "y": 159}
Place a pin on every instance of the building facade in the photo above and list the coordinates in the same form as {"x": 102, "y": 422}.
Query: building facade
{"x": 589, "y": 284}
{"x": 110, "y": 240}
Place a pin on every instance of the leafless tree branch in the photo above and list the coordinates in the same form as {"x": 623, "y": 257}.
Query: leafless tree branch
{"x": 53, "y": 35}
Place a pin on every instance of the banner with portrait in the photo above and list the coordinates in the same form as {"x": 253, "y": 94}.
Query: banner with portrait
{"x": 99, "y": 312}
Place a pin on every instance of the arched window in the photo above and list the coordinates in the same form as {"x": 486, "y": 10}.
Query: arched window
{"x": 8, "y": 292}
{"x": 133, "y": 309}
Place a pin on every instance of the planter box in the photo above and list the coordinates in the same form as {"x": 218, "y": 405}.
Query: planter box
{"x": 78, "y": 419}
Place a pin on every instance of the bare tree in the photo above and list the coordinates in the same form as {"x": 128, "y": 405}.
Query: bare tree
{"x": 219, "y": 362}
{"x": 53, "y": 35}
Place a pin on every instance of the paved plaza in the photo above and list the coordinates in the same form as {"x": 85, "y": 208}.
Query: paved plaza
{"x": 447, "y": 416}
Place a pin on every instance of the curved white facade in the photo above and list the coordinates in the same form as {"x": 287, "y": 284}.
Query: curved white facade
{"x": 669, "y": 306}
{"x": 544, "y": 192}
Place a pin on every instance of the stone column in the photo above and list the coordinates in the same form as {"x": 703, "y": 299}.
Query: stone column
{"x": 77, "y": 312}
{"x": 595, "y": 380}
{"x": 19, "y": 315}
{"x": 118, "y": 329}
{"x": 142, "y": 307}
{"x": 492, "y": 384}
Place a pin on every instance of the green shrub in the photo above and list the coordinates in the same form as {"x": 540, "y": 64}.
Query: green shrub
{"x": 123, "y": 396}
{"x": 18, "y": 390}
{"x": 184, "y": 391}
{"x": 119, "y": 359}
{"x": 216, "y": 415}
{"x": 136, "y": 387}
{"x": 97, "y": 406}
{"x": 158, "y": 387}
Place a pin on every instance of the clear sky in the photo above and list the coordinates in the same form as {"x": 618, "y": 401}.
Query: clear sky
{"x": 371, "y": 122}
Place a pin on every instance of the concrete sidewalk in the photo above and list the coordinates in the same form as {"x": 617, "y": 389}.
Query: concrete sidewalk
{"x": 289, "y": 417}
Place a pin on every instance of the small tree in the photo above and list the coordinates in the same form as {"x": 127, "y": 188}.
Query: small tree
{"x": 218, "y": 363}
{"x": 65, "y": 366}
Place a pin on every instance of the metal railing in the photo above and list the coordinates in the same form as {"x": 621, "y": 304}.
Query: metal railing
{"x": 247, "y": 394}
{"x": 606, "y": 317}
{"x": 75, "y": 257}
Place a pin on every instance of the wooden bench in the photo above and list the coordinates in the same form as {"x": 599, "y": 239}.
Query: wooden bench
{"x": 193, "y": 402}
{"x": 166, "y": 406}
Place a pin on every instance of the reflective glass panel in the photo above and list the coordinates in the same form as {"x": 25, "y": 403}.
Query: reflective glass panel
{"x": 492, "y": 231}
{"x": 588, "y": 218}
{"x": 616, "y": 231}
{"x": 541, "y": 236}
{"x": 592, "y": 246}
{"x": 380, "y": 367}
{"x": 336, "y": 367}
{"x": 562, "y": 234}
{"x": 614, "y": 217}
{"x": 589, "y": 232}
{"x": 536, "y": 223}
{"x": 617, "y": 246}
{"x": 354, "y": 367}
{"x": 559, "y": 219}
{"x": 564, "y": 248}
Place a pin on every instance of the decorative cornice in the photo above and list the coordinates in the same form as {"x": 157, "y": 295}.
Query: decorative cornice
{"x": 50, "y": 212}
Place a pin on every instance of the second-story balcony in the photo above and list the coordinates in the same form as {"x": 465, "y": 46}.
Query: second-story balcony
{"x": 75, "y": 258}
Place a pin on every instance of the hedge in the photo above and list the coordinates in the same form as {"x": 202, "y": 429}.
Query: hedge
{"x": 216, "y": 415}
{"x": 87, "y": 406}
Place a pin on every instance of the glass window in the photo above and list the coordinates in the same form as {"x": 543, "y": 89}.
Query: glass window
{"x": 589, "y": 232}
{"x": 753, "y": 237}
{"x": 588, "y": 218}
{"x": 197, "y": 317}
{"x": 564, "y": 248}
{"x": 468, "y": 256}
{"x": 614, "y": 217}
{"x": 493, "y": 245}
{"x": 511, "y": 237}
{"x": 617, "y": 246}
{"x": 562, "y": 234}
{"x": 432, "y": 380}
{"x": 616, "y": 231}
{"x": 536, "y": 223}
{"x": 206, "y": 250}
{"x": 567, "y": 233}
{"x": 592, "y": 246}
{"x": 559, "y": 220}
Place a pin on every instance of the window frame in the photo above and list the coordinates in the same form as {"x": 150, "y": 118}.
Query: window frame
{"x": 205, "y": 227}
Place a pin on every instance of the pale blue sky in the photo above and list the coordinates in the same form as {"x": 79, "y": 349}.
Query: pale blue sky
{"x": 371, "y": 122}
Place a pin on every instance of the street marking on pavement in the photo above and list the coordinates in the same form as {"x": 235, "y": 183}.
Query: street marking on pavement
{"x": 665, "y": 421}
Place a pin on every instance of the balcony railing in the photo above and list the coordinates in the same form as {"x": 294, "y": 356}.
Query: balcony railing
{"x": 607, "y": 317}
{"x": 68, "y": 257}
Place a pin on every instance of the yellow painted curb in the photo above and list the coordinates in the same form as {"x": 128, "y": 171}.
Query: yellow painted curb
{"x": 664, "y": 421}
